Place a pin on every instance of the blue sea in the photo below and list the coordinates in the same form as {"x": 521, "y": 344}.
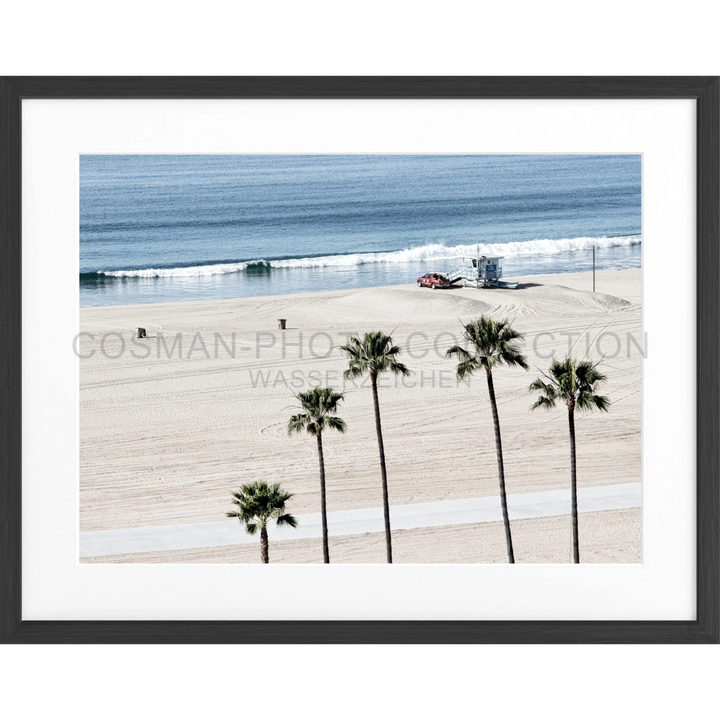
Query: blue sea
{"x": 165, "y": 228}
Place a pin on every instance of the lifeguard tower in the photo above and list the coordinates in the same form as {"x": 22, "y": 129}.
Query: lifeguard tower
{"x": 483, "y": 271}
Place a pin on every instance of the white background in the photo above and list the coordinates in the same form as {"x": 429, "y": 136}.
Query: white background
{"x": 56, "y": 132}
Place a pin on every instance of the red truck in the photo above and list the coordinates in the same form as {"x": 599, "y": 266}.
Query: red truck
{"x": 434, "y": 280}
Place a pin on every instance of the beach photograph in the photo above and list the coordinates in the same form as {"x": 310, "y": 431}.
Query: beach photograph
{"x": 360, "y": 359}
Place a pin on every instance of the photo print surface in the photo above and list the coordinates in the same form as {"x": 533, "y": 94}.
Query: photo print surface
{"x": 360, "y": 358}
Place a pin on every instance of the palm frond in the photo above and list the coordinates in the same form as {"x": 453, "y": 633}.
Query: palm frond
{"x": 574, "y": 382}
{"x": 512, "y": 356}
{"x": 320, "y": 405}
{"x": 298, "y": 423}
{"x": 538, "y": 384}
{"x": 588, "y": 374}
{"x": 355, "y": 369}
{"x": 590, "y": 401}
{"x": 398, "y": 368}
{"x": 490, "y": 361}
{"x": 374, "y": 353}
{"x": 336, "y": 423}
{"x": 602, "y": 402}
{"x": 353, "y": 349}
{"x": 543, "y": 402}
{"x": 257, "y": 503}
{"x": 466, "y": 368}
{"x": 461, "y": 352}
{"x": 506, "y": 332}
{"x": 287, "y": 519}
{"x": 492, "y": 343}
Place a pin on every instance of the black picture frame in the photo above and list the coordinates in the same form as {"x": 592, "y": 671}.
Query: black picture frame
{"x": 703, "y": 90}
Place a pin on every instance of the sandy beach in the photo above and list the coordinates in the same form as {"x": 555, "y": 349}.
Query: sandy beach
{"x": 169, "y": 428}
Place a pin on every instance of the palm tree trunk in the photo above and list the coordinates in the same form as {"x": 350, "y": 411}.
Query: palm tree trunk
{"x": 501, "y": 467}
{"x": 323, "y": 508}
{"x": 386, "y": 502}
{"x": 573, "y": 472}
{"x": 264, "y": 551}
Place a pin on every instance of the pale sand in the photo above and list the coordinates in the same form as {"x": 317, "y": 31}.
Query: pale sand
{"x": 612, "y": 536}
{"x": 165, "y": 441}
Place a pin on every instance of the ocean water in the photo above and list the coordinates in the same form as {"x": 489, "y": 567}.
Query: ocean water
{"x": 165, "y": 228}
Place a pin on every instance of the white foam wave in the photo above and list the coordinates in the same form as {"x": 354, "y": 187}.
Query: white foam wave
{"x": 194, "y": 271}
{"x": 431, "y": 252}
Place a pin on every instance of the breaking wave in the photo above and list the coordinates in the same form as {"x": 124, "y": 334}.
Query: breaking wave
{"x": 424, "y": 253}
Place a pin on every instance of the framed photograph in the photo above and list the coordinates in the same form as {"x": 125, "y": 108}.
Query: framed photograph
{"x": 439, "y": 354}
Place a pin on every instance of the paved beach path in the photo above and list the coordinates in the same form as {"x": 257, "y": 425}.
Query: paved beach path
{"x": 355, "y": 522}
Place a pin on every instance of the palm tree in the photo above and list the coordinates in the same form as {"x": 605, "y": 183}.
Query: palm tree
{"x": 493, "y": 344}
{"x": 376, "y": 354}
{"x": 573, "y": 383}
{"x": 320, "y": 406}
{"x": 259, "y": 503}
